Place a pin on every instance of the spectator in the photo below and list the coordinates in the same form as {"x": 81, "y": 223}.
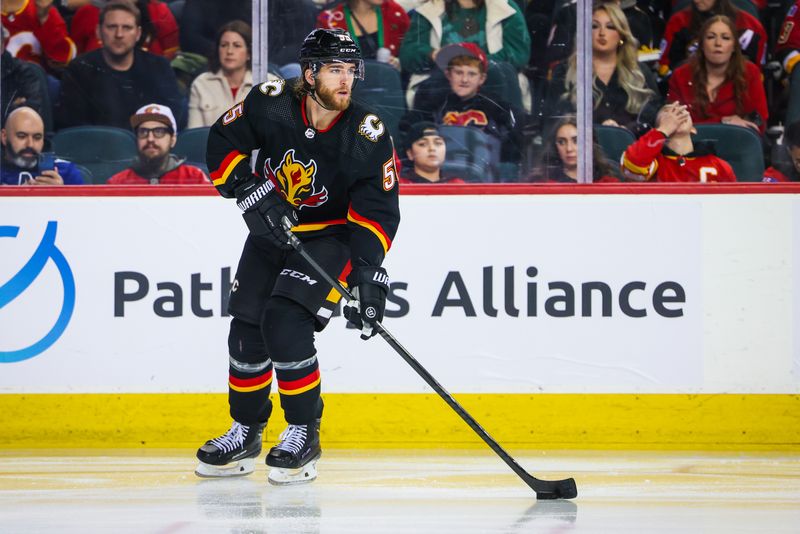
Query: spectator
{"x": 230, "y": 77}
{"x": 558, "y": 162}
{"x": 289, "y": 23}
{"x": 787, "y": 168}
{"x": 154, "y": 126}
{"x": 684, "y": 30}
{"x": 496, "y": 26}
{"x": 465, "y": 66}
{"x": 22, "y": 139}
{"x": 427, "y": 152}
{"x": 107, "y": 85}
{"x": 159, "y": 28}
{"x": 561, "y": 40}
{"x": 667, "y": 153}
{"x": 375, "y": 24}
{"x": 787, "y": 46}
{"x": 717, "y": 83}
{"x": 202, "y": 18}
{"x": 624, "y": 93}
{"x": 20, "y": 85}
{"x": 37, "y": 33}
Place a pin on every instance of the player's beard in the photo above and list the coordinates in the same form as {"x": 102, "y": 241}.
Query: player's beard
{"x": 331, "y": 100}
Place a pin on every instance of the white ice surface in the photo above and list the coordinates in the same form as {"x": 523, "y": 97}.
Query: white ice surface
{"x": 155, "y": 491}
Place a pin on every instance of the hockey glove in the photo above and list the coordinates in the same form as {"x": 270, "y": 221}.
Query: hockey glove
{"x": 370, "y": 286}
{"x": 263, "y": 209}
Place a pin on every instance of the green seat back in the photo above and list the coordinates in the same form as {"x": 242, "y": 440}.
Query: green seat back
{"x": 739, "y": 146}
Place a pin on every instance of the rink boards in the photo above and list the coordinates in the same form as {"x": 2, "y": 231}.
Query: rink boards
{"x": 659, "y": 320}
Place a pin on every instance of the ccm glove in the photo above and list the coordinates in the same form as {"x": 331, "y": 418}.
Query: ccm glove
{"x": 263, "y": 211}
{"x": 369, "y": 286}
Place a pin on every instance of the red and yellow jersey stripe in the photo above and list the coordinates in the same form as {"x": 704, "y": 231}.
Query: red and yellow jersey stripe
{"x": 221, "y": 174}
{"x": 372, "y": 226}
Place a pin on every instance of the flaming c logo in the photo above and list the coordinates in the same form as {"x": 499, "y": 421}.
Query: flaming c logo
{"x": 296, "y": 181}
{"x": 465, "y": 118}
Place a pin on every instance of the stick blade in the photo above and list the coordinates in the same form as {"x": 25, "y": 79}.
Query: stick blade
{"x": 556, "y": 489}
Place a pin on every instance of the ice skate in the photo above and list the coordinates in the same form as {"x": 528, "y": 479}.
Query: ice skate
{"x": 232, "y": 454}
{"x": 294, "y": 459}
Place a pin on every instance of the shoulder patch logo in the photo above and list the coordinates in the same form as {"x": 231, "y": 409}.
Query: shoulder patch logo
{"x": 272, "y": 88}
{"x": 372, "y": 128}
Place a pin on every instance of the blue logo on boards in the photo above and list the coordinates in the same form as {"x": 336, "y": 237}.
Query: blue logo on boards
{"x": 15, "y": 287}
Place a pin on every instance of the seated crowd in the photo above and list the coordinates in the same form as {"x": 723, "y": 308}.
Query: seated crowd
{"x": 505, "y": 69}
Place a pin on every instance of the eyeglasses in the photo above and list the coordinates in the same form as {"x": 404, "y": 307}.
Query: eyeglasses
{"x": 158, "y": 133}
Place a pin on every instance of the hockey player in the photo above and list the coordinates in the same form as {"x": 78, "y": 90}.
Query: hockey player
{"x": 327, "y": 165}
{"x": 667, "y": 153}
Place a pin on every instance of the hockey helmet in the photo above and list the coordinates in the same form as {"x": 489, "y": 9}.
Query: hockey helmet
{"x": 330, "y": 45}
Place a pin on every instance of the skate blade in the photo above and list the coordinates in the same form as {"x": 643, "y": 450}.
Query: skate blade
{"x": 279, "y": 476}
{"x": 240, "y": 468}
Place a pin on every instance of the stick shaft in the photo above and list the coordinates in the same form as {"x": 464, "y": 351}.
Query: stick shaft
{"x": 553, "y": 489}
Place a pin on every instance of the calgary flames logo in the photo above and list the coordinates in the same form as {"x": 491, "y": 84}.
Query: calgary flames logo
{"x": 465, "y": 118}
{"x": 296, "y": 181}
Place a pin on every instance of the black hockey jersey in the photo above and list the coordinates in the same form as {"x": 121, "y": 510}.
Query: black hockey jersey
{"x": 342, "y": 179}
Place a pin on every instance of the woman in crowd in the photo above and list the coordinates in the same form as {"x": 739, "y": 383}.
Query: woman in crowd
{"x": 718, "y": 83}
{"x": 683, "y": 32}
{"x": 377, "y": 25}
{"x": 229, "y": 78}
{"x": 160, "y": 33}
{"x": 559, "y": 160}
{"x": 624, "y": 93}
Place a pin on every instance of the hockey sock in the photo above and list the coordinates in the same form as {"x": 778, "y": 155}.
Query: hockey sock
{"x": 250, "y": 374}
{"x": 299, "y": 388}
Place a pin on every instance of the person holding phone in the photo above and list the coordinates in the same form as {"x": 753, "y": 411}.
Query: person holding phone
{"x": 24, "y": 162}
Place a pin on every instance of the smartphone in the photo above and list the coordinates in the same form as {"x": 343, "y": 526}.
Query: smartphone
{"x": 47, "y": 161}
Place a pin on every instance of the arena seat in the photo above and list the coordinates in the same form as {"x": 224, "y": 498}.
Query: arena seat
{"x": 471, "y": 154}
{"x": 793, "y": 107}
{"x": 191, "y": 144}
{"x": 382, "y": 89}
{"x": 86, "y": 174}
{"x": 103, "y": 150}
{"x": 613, "y": 140}
{"x": 739, "y": 146}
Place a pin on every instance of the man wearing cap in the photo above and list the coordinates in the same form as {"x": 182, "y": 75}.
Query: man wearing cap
{"x": 426, "y": 151}
{"x": 154, "y": 126}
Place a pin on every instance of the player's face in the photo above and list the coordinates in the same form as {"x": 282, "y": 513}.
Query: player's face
{"x": 567, "y": 146}
{"x": 718, "y": 44}
{"x": 605, "y": 37}
{"x": 428, "y": 152}
{"x": 23, "y": 138}
{"x": 465, "y": 80}
{"x": 334, "y": 85}
{"x": 704, "y": 5}
{"x": 119, "y": 32}
{"x": 233, "y": 53}
{"x": 154, "y": 140}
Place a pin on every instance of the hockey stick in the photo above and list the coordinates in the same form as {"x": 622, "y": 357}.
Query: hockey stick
{"x": 545, "y": 489}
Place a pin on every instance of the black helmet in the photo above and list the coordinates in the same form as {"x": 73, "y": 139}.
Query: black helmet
{"x": 324, "y": 45}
